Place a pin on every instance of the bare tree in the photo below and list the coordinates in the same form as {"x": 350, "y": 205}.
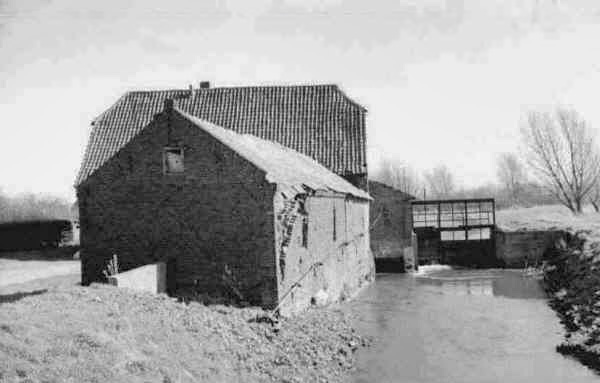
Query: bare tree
{"x": 511, "y": 175}
{"x": 440, "y": 182}
{"x": 595, "y": 197}
{"x": 562, "y": 150}
{"x": 400, "y": 176}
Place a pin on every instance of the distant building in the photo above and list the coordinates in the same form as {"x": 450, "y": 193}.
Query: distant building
{"x": 211, "y": 202}
{"x": 392, "y": 239}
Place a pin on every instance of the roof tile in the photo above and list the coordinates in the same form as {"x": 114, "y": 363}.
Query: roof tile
{"x": 290, "y": 170}
{"x": 319, "y": 121}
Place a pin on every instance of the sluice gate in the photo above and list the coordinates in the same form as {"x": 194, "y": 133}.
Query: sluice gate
{"x": 456, "y": 231}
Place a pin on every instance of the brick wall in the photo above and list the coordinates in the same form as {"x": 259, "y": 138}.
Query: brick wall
{"x": 391, "y": 231}
{"x": 346, "y": 268}
{"x": 218, "y": 212}
{"x": 358, "y": 180}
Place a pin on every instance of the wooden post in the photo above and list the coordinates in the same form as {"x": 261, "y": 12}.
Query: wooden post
{"x": 452, "y": 218}
{"x": 466, "y": 222}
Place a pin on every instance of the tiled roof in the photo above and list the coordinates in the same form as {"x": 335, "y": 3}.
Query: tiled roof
{"x": 317, "y": 120}
{"x": 290, "y": 170}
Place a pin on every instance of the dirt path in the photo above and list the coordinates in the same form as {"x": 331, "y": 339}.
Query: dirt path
{"x": 28, "y": 273}
{"x": 14, "y": 271}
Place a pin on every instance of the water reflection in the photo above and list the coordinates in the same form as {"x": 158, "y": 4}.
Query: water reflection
{"x": 509, "y": 284}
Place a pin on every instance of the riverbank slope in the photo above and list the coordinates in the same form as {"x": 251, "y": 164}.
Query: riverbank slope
{"x": 571, "y": 274}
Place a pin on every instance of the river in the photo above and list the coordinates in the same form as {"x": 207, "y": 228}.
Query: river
{"x": 460, "y": 326}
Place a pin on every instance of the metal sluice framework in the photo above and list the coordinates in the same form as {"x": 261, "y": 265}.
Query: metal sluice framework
{"x": 456, "y": 231}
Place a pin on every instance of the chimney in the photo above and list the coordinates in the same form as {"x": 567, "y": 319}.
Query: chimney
{"x": 168, "y": 104}
{"x": 204, "y": 84}
{"x": 192, "y": 93}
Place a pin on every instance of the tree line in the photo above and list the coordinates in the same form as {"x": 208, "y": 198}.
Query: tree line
{"x": 559, "y": 163}
{"x": 31, "y": 207}
{"x": 512, "y": 188}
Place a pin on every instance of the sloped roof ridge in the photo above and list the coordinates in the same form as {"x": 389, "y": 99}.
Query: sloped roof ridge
{"x": 132, "y": 92}
{"x": 324, "y": 180}
{"x": 274, "y": 85}
{"x": 112, "y": 107}
{"x": 349, "y": 99}
{"x": 333, "y": 86}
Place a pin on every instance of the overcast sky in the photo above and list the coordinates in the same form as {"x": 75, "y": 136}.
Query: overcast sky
{"x": 445, "y": 81}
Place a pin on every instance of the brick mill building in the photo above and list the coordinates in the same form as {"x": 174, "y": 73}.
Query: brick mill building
{"x": 250, "y": 181}
{"x": 319, "y": 121}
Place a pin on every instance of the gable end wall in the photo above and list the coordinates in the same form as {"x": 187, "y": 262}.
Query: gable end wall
{"x": 218, "y": 213}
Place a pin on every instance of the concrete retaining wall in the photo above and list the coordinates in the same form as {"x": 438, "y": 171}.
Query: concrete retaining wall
{"x": 524, "y": 248}
{"x": 150, "y": 278}
{"x": 404, "y": 259}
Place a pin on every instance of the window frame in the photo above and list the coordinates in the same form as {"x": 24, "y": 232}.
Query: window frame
{"x": 304, "y": 242}
{"x": 166, "y": 171}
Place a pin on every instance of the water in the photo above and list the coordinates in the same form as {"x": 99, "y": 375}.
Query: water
{"x": 461, "y": 326}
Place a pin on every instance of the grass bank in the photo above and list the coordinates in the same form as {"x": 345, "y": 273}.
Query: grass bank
{"x": 552, "y": 217}
{"x": 571, "y": 274}
{"x": 101, "y": 333}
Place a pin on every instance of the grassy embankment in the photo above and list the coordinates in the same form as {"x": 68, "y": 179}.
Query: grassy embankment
{"x": 101, "y": 333}
{"x": 571, "y": 274}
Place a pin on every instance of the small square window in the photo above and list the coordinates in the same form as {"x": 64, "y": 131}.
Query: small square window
{"x": 173, "y": 160}
{"x": 334, "y": 225}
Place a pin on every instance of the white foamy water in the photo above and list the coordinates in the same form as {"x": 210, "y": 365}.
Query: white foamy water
{"x": 429, "y": 269}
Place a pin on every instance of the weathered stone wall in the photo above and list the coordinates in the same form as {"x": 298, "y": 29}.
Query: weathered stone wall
{"x": 526, "y": 247}
{"x": 347, "y": 264}
{"x": 218, "y": 214}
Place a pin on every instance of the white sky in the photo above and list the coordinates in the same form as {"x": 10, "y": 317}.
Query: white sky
{"x": 445, "y": 81}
